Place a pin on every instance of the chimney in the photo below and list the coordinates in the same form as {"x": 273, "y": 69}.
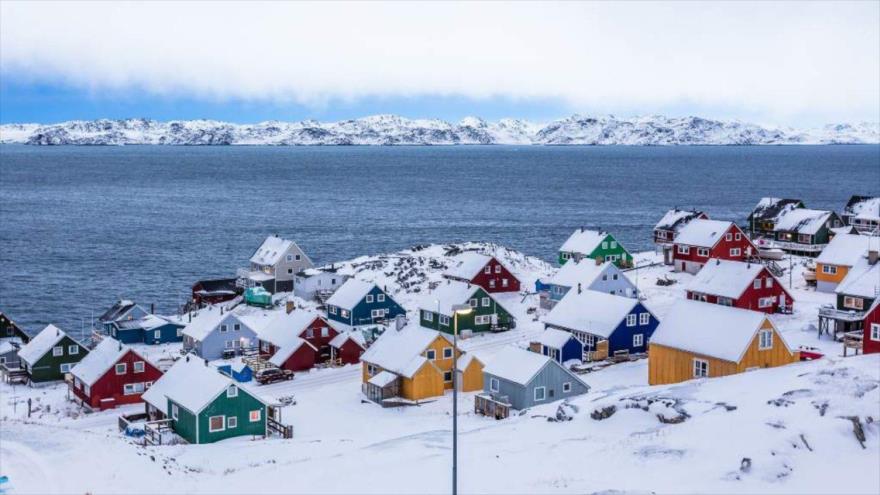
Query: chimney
{"x": 598, "y": 261}
{"x": 290, "y": 306}
{"x": 221, "y": 309}
{"x": 872, "y": 256}
{"x": 579, "y": 287}
{"x": 206, "y": 363}
{"x": 718, "y": 261}
{"x": 119, "y": 347}
{"x": 187, "y": 358}
{"x": 152, "y": 308}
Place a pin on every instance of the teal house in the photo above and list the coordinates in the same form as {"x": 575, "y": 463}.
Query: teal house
{"x": 435, "y": 310}
{"x": 205, "y": 406}
{"x": 361, "y": 303}
{"x": 595, "y": 245}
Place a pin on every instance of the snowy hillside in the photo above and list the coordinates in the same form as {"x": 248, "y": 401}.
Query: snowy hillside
{"x": 811, "y": 427}
{"x": 395, "y": 130}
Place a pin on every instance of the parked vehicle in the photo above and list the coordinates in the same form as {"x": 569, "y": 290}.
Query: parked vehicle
{"x": 272, "y": 375}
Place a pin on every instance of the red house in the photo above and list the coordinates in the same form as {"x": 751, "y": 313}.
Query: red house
{"x": 672, "y": 222}
{"x": 742, "y": 285}
{"x": 482, "y": 270}
{"x": 111, "y": 374}
{"x": 701, "y": 239}
{"x": 347, "y": 347}
{"x": 871, "y": 339}
{"x": 285, "y": 332}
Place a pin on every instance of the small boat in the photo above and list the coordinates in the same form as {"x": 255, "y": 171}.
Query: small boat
{"x": 810, "y": 273}
{"x": 769, "y": 250}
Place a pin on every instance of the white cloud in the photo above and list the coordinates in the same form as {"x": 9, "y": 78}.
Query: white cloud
{"x": 777, "y": 60}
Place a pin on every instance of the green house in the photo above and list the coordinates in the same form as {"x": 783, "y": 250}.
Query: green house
{"x": 595, "y": 245}
{"x": 50, "y": 355}
{"x": 488, "y": 314}
{"x": 205, "y": 406}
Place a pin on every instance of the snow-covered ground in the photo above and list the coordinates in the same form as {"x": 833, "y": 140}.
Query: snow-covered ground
{"x": 791, "y": 423}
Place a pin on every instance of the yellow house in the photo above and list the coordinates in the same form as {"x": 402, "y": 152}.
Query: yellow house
{"x": 835, "y": 261}
{"x": 415, "y": 363}
{"x": 698, "y": 340}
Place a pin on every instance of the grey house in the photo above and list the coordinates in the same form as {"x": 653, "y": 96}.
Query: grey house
{"x": 215, "y": 332}
{"x": 274, "y": 265}
{"x": 524, "y": 379}
{"x": 317, "y": 282}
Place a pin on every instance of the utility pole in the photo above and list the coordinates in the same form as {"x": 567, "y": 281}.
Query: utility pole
{"x": 458, "y": 309}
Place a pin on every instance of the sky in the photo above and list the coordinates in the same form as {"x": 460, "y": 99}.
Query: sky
{"x": 786, "y": 63}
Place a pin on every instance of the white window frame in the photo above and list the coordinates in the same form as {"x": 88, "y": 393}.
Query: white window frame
{"x": 447, "y": 353}
{"x": 700, "y": 368}
{"x": 728, "y": 236}
{"x": 431, "y": 354}
{"x": 231, "y": 392}
{"x": 487, "y": 270}
{"x": 444, "y": 320}
{"x": 543, "y": 394}
{"x": 369, "y": 299}
{"x": 497, "y": 268}
{"x": 58, "y": 350}
{"x": 638, "y": 340}
{"x": 494, "y": 384}
{"x": 487, "y": 302}
{"x": 445, "y": 374}
{"x": 236, "y": 327}
{"x": 766, "y": 302}
{"x": 65, "y": 367}
{"x": 875, "y": 332}
{"x": 211, "y": 428}
{"x": 853, "y": 302}
{"x": 474, "y": 303}
{"x": 682, "y": 249}
{"x": 566, "y": 387}
{"x": 325, "y": 331}
{"x": 765, "y": 340}
{"x": 644, "y": 318}
{"x": 157, "y": 334}
{"x": 703, "y": 252}
{"x": 377, "y": 313}
{"x": 332, "y": 310}
{"x": 768, "y": 282}
{"x": 829, "y": 270}
{"x": 380, "y": 297}
{"x": 73, "y": 350}
{"x": 427, "y": 315}
{"x": 231, "y": 422}
{"x": 756, "y": 284}
{"x": 175, "y": 412}
{"x": 259, "y": 415}
{"x": 224, "y": 328}
{"x": 118, "y": 366}
{"x": 631, "y": 320}
{"x": 138, "y": 367}
{"x": 735, "y": 252}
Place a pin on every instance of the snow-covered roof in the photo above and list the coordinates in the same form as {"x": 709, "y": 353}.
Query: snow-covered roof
{"x": 864, "y": 208}
{"x": 702, "y": 233}
{"x": 382, "y": 379}
{"x": 467, "y": 265}
{"x": 190, "y": 383}
{"x": 211, "y": 317}
{"x": 350, "y": 293}
{"x": 582, "y": 272}
{"x": 772, "y": 208}
{"x": 590, "y": 311}
{"x": 725, "y": 278}
{"x": 271, "y": 251}
{"x": 583, "y": 241}
{"x": 203, "y": 323}
{"x": 713, "y": 330}
{"x": 802, "y": 221}
{"x": 448, "y": 294}
{"x": 846, "y": 249}
{"x": 283, "y": 325}
{"x": 399, "y": 351}
{"x": 862, "y": 280}
{"x": 675, "y": 219}
{"x": 355, "y": 335}
{"x": 516, "y": 365}
{"x": 9, "y": 344}
{"x": 288, "y": 346}
{"x": 148, "y": 322}
{"x": 42, "y": 343}
{"x": 100, "y": 359}
{"x": 553, "y": 338}
{"x": 119, "y": 309}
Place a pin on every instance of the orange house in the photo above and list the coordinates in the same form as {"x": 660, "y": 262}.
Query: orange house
{"x": 415, "y": 363}
{"x": 698, "y": 340}
{"x": 835, "y": 261}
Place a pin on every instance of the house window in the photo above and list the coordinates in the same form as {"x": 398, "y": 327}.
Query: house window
{"x": 766, "y": 302}
{"x": 344, "y": 313}
{"x": 121, "y": 368}
{"x": 483, "y": 319}
{"x": 447, "y": 376}
{"x": 684, "y": 249}
{"x": 704, "y": 252}
{"x": 431, "y": 354}
{"x": 486, "y": 302}
{"x": 566, "y": 387}
{"x": 724, "y": 301}
{"x": 380, "y": 297}
{"x": 739, "y": 236}
{"x": 701, "y": 368}
{"x": 65, "y": 368}
{"x": 216, "y": 423}
{"x": 735, "y": 252}
{"x": 133, "y": 388}
{"x": 369, "y": 299}
{"x": 148, "y": 385}
{"x": 255, "y": 415}
{"x": 428, "y": 316}
{"x": 830, "y": 270}
{"x": 377, "y": 313}
{"x": 566, "y": 256}
{"x": 765, "y": 340}
{"x": 157, "y": 334}
{"x": 332, "y": 310}
{"x": 297, "y": 257}
{"x": 231, "y": 422}
{"x": 853, "y": 302}
{"x": 492, "y": 283}
{"x": 644, "y": 318}
{"x": 613, "y": 244}
{"x": 325, "y": 332}
{"x": 756, "y": 283}
{"x": 447, "y": 353}
{"x": 444, "y": 320}
{"x": 638, "y": 340}
{"x": 236, "y": 327}
{"x": 289, "y": 257}
{"x": 487, "y": 270}
{"x": 494, "y": 386}
{"x": 804, "y": 238}
{"x": 615, "y": 277}
{"x": 58, "y": 351}
{"x": 229, "y": 344}
{"x": 604, "y": 277}
{"x": 768, "y": 282}
{"x": 473, "y": 303}
{"x": 371, "y": 370}
{"x": 138, "y": 366}
{"x": 497, "y": 268}
{"x": 231, "y": 391}
{"x": 540, "y": 393}
{"x": 179, "y": 332}
{"x": 223, "y": 328}
{"x": 73, "y": 350}
{"x": 728, "y": 236}
{"x": 604, "y": 244}
{"x": 630, "y": 320}
{"x": 875, "y": 331}
{"x": 310, "y": 333}
{"x": 175, "y": 412}
{"x": 88, "y": 390}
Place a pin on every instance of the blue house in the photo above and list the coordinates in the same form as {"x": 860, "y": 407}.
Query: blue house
{"x": 524, "y": 379}
{"x": 150, "y": 329}
{"x": 585, "y": 274}
{"x": 361, "y": 303}
{"x": 122, "y": 310}
{"x": 238, "y": 371}
{"x": 607, "y": 325}
{"x": 559, "y": 345}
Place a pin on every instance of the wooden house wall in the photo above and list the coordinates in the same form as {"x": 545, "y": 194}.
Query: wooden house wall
{"x": 48, "y": 367}
{"x": 472, "y": 376}
{"x": 112, "y": 386}
{"x": 485, "y": 280}
{"x": 239, "y": 407}
{"x": 870, "y": 346}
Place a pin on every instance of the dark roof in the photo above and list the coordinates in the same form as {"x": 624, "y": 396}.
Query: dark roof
{"x": 117, "y": 310}
{"x": 6, "y": 323}
{"x": 854, "y": 200}
{"x": 217, "y": 284}
{"x": 770, "y": 208}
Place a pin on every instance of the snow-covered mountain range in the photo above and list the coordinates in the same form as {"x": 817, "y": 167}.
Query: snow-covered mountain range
{"x": 394, "y": 130}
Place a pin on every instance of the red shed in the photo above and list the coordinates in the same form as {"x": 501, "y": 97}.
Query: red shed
{"x": 702, "y": 239}
{"x": 112, "y": 374}
{"x": 742, "y": 285}
{"x": 348, "y": 347}
{"x": 295, "y": 354}
{"x": 871, "y": 339}
{"x": 284, "y": 330}
{"x": 482, "y": 270}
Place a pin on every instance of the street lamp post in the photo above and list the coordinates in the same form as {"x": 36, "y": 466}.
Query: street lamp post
{"x": 458, "y": 309}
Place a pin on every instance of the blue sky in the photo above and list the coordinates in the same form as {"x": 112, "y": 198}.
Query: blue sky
{"x": 329, "y": 61}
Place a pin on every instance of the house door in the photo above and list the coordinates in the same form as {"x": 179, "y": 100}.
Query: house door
{"x": 683, "y": 267}
{"x": 782, "y": 301}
